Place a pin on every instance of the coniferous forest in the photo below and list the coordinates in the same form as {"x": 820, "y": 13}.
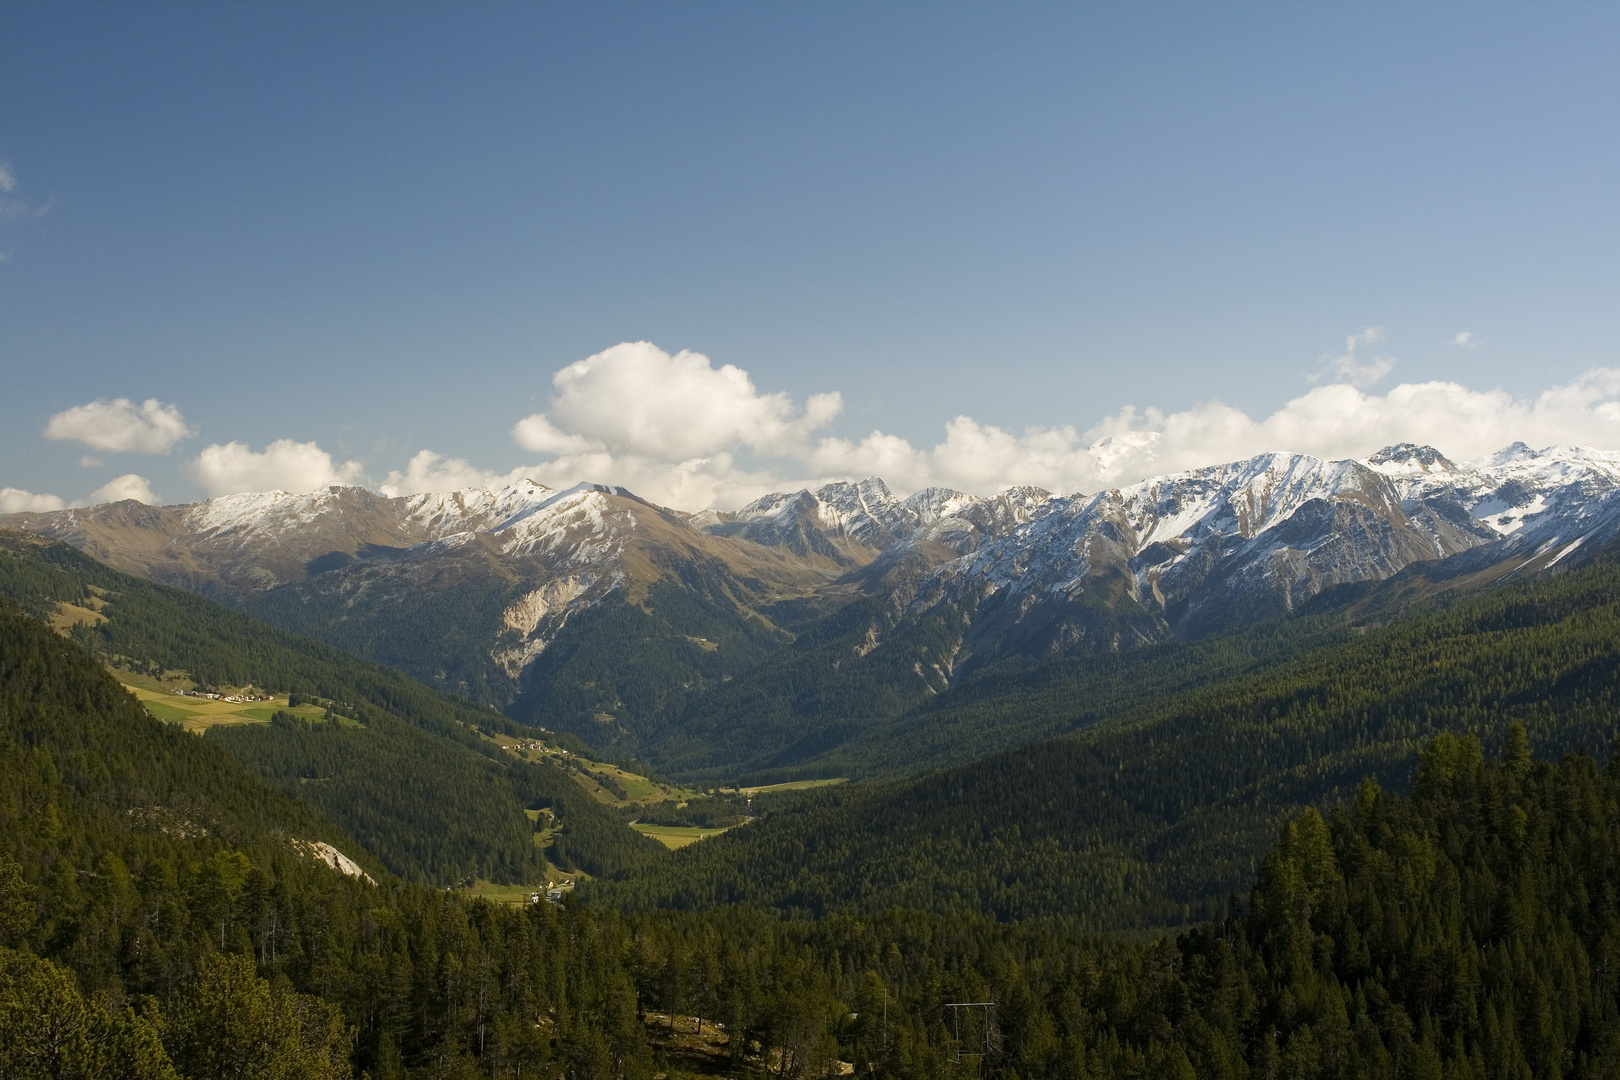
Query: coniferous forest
{"x": 1409, "y": 860}
{"x": 1468, "y": 929}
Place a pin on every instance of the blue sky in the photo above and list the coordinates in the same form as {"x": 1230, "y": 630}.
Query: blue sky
{"x": 383, "y": 229}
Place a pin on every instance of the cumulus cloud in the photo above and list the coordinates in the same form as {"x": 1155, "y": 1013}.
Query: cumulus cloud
{"x": 429, "y": 472}
{"x": 284, "y": 465}
{"x": 1353, "y": 366}
{"x": 1338, "y": 421}
{"x": 681, "y": 432}
{"x": 637, "y": 399}
{"x": 128, "y": 486}
{"x": 17, "y": 501}
{"x": 1467, "y": 339}
{"x": 1342, "y": 421}
{"x": 119, "y": 426}
{"x": 669, "y": 427}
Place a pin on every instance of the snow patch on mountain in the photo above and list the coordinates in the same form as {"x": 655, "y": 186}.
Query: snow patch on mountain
{"x": 250, "y": 510}
{"x": 582, "y": 526}
{"x": 1268, "y": 533}
{"x": 474, "y": 509}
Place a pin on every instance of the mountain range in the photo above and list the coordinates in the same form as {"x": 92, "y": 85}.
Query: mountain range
{"x": 1426, "y": 613}
{"x": 768, "y": 636}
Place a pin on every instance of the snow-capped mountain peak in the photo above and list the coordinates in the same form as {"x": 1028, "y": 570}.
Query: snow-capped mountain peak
{"x": 1410, "y": 459}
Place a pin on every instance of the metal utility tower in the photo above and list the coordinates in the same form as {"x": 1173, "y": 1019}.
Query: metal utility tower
{"x": 983, "y": 1046}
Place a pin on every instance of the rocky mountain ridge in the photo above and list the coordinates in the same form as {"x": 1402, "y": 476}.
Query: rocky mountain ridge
{"x": 469, "y": 589}
{"x": 1216, "y": 547}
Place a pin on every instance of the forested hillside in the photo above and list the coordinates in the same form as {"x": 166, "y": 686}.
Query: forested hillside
{"x": 1022, "y": 699}
{"x": 845, "y": 671}
{"x": 155, "y": 915}
{"x": 1468, "y": 931}
{"x": 1155, "y": 816}
{"x": 440, "y": 635}
{"x": 867, "y": 691}
{"x": 625, "y": 670}
{"x": 879, "y": 718}
{"x": 413, "y": 782}
{"x": 1464, "y": 932}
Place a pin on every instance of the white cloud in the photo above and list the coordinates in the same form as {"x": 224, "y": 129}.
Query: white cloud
{"x": 682, "y": 433}
{"x": 431, "y": 472}
{"x": 118, "y": 426}
{"x": 283, "y": 465}
{"x": 539, "y": 434}
{"x": 128, "y": 486}
{"x": 8, "y": 179}
{"x": 1467, "y": 339}
{"x": 1351, "y": 366}
{"x": 1338, "y": 421}
{"x": 637, "y": 399}
{"x": 89, "y": 461}
{"x": 17, "y": 501}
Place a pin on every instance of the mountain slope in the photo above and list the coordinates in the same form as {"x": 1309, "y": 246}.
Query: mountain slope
{"x": 1174, "y": 559}
{"x": 853, "y": 523}
{"x": 129, "y": 776}
{"x": 464, "y": 591}
{"x": 102, "y": 803}
{"x": 162, "y": 916}
{"x": 414, "y": 782}
{"x": 1154, "y": 816}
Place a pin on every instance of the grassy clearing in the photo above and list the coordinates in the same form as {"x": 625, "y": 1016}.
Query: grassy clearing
{"x": 700, "y": 1045}
{"x": 517, "y": 895}
{"x": 638, "y": 790}
{"x": 545, "y": 831}
{"x": 796, "y": 785}
{"x": 69, "y": 615}
{"x": 676, "y": 837}
{"x": 197, "y": 715}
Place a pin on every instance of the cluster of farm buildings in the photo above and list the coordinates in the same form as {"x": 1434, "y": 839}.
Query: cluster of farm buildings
{"x": 235, "y": 699}
{"x": 539, "y": 746}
